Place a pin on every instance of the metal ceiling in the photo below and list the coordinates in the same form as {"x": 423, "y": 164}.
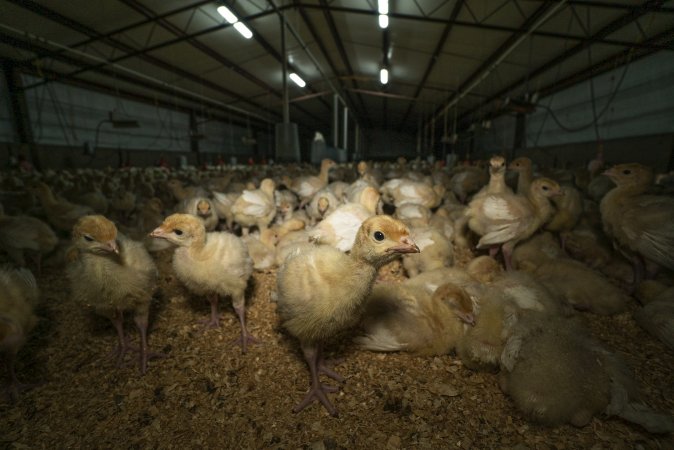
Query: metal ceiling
{"x": 446, "y": 57}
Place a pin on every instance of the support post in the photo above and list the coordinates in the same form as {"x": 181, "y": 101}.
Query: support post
{"x": 335, "y": 121}
{"x": 520, "y": 134}
{"x": 286, "y": 102}
{"x": 419, "y": 131}
{"x": 345, "y": 130}
{"x": 19, "y": 113}
{"x": 356, "y": 150}
{"x": 194, "y": 137}
{"x": 432, "y": 147}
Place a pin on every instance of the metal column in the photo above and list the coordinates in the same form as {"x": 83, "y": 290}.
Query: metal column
{"x": 287, "y": 136}
{"x": 19, "y": 113}
{"x": 356, "y": 150}
{"x": 520, "y": 134}
{"x": 345, "y": 139}
{"x": 335, "y": 121}
{"x": 194, "y": 137}
{"x": 286, "y": 103}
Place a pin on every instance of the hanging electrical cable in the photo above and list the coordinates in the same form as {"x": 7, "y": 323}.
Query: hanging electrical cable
{"x": 554, "y": 82}
{"x": 593, "y": 97}
{"x": 599, "y": 115}
{"x": 612, "y": 96}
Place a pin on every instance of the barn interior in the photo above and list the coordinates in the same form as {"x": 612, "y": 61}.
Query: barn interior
{"x": 536, "y": 133}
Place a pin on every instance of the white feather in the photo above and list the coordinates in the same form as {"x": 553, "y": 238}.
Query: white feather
{"x": 423, "y": 239}
{"x": 306, "y": 189}
{"x": 257, "y": 205}
{"x": 222, "y": 198}
{"x": 524, "y": 298}
{"x": 392, "y": 184}
{"x": 410, "y": 211}
{"x": 409, "y": 191}
{"x": 380, "y": 340}
{"x": 496, "y": 208}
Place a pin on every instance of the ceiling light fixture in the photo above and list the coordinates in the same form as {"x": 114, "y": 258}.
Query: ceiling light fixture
{"x": 238, "y": 25}
{"x": 244, "y": 30}
{"x": 297, "y": 79}
{"x": 382, "y": 7}
{"x": 227, "y": 14}
{"x": 383, "y": 76}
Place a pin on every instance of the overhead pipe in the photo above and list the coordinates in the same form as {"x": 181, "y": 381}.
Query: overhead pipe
{"x": 345, "y": 130}
{"x": 502, "y": 57}
{"x": 305, "y": 47}
{"x": 493, "y": 27}
{"x": 335, "y": 120}
{"x": 432, "y": 147}
{"x": 286, "y": 103}
{"x": 141, "y": 75}
{"x": 106, "y": 89}
{"x": 356, "y": 146}
{"x": 419, "y": 129}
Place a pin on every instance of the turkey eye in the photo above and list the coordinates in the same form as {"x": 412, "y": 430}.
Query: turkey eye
{"x": 378, "y": 235}
{"x": 88, "y": 238}
{"x": 627, "y": 171}
{"x": 545, "y": 188}
{"x": 178, "y": 232}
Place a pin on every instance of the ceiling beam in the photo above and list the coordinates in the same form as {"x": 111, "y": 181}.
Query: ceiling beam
{"x": 434, "y": 59}
{"x": 345, "y": 58}
{"x": 142, "y": 53}
{"x": 28, "y": 68}
{"x": 489, "y": 27}
{"x": 635, "y": 13}
{"x": 314, "y": 34}
{"x": 614, "y": 61}
{"x": 279, "y": 58}
{"x": 38, "y": 48}
{"x": 205, "y": 49}
{"x": 496, "y": 57}
{"x": 614, "y": 5}
{"x": 65, "y": 21}
{"x": 131, "y": 26}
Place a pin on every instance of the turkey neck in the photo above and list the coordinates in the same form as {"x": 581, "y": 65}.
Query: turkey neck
{"x": 269, "y": 191}
{"x": 543, "y": 208}
{"x": 625, "y": 191}
{"x": 496, "y": 182}
{"x": 524, "y": 180}
{"x": 46, "y": 195}
{"x": 324, "y": 174}
{"x": 198, "y": 242}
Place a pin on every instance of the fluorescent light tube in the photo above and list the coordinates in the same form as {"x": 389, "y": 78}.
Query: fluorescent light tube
{"x": 227, "y": 14}
{"x": 383, "y": 21}
{"x": 383, "y": 6}
{"x": 383, "y": 76}
{"x": 243, "y": 29}
{"x": 298, "y": 81}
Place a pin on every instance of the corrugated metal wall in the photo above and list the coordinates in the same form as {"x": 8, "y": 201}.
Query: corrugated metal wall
{"x": 634, "y": 100}
{"x": 6, "y": 129}
{"x": 64, "y": 115}
{"x": 630, "y": 101}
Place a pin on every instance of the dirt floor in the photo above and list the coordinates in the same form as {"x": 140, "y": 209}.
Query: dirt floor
{"x": 206, "y": 394}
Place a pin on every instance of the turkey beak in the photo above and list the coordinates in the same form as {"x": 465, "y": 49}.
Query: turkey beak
{"x": 609, "y": 173}
{"x": 112, "y": 247}
{"x": 469, "y": 319}
{"x": 407, "y": 245}
{"x": 157, "y": 233}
